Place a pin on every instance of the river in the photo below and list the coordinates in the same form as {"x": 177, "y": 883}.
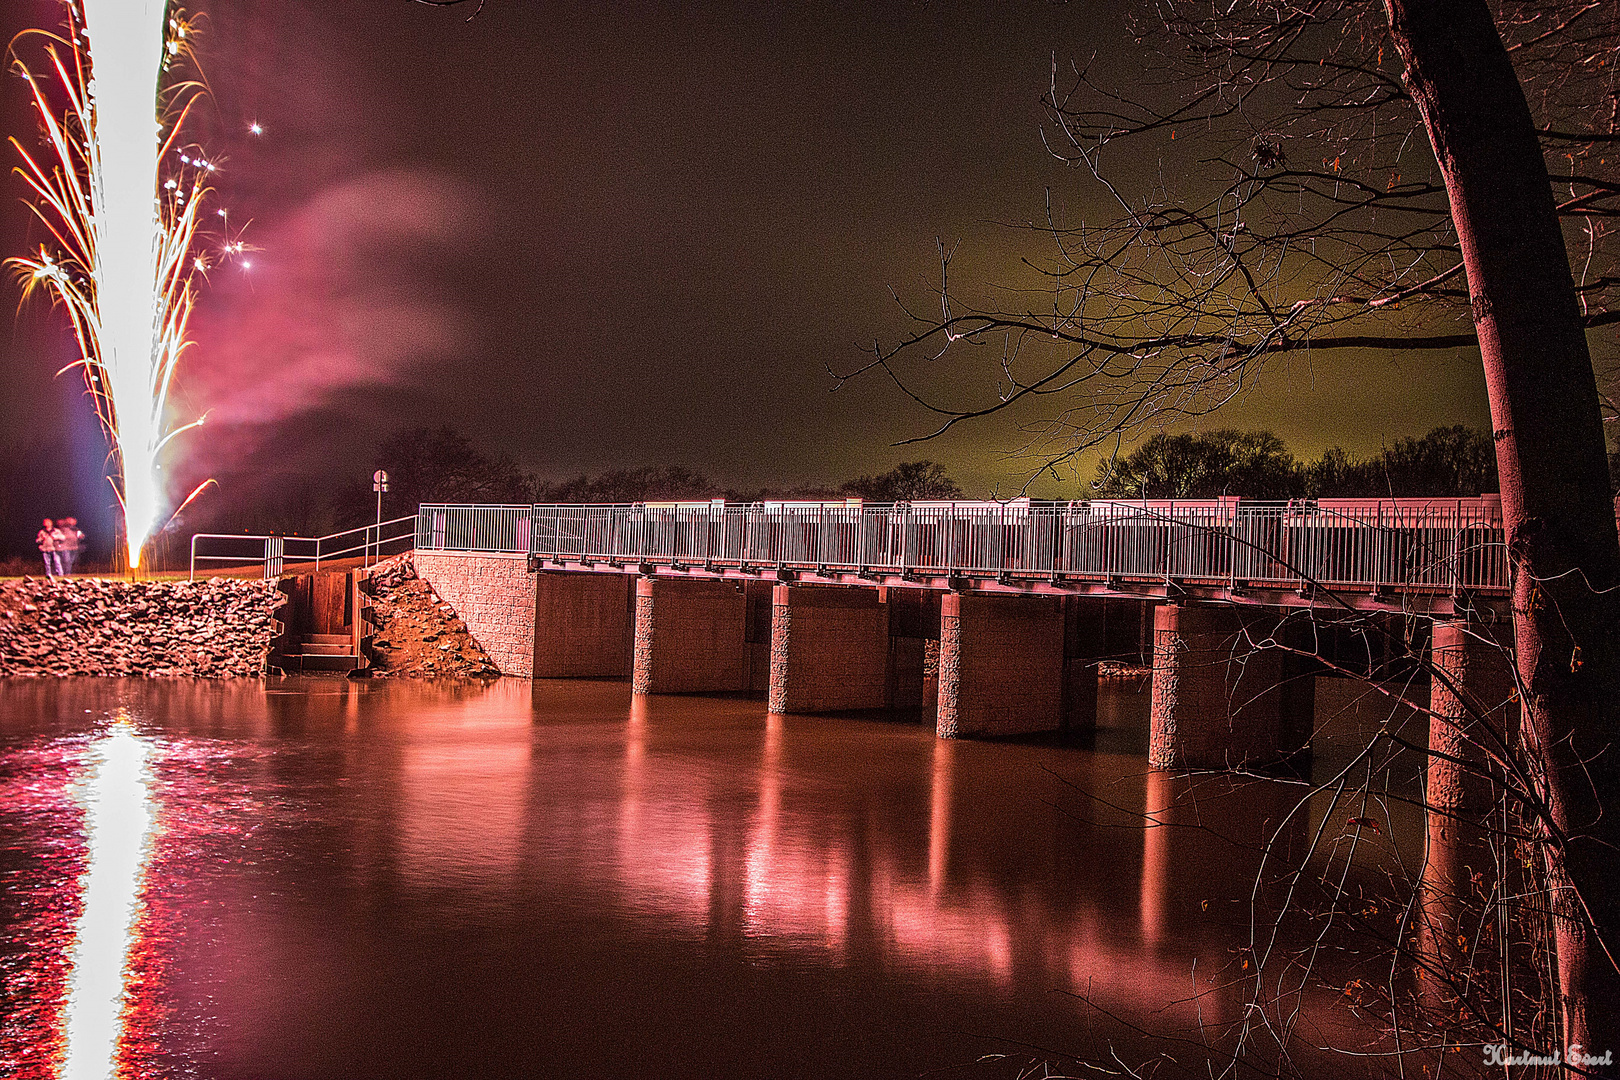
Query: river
{"x": 318, "y": 878}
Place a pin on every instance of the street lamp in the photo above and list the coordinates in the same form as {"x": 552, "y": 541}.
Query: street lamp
{"x": 379, "y": 484}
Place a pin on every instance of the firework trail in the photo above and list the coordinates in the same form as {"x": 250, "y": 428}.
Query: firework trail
{"x": 123, "y": 263}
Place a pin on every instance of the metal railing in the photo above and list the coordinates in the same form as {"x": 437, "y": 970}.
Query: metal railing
{"x": 1368, "y": 545}
{"x": 445, "y": 527}
{"x": 1363, "y": 544}
{"x": 371, "y": 542}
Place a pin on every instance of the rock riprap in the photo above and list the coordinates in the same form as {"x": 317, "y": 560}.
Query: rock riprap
{"x": 419, "y": 636}
{"x": 93, "y": 626}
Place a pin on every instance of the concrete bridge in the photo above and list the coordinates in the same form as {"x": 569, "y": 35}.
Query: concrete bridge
{"x": 830, "y": 607}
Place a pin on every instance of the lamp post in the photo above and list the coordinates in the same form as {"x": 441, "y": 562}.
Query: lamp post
{"x": 379, "y": 484}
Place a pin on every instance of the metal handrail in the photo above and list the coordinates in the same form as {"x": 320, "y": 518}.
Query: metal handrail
{"x": 275, "y": 551}
{"x": 1438, "y": 545}
{"x": 373, "y": 538}
{"x": 1376, "y": 545}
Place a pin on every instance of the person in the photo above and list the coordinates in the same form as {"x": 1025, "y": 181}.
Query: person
{"x": 72, "y": 543}
{"x": 46, "y": 541}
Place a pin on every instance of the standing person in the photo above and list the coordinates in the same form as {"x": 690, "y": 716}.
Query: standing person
{"x": 72, "y": 543}
{"x": 46, "y": 542}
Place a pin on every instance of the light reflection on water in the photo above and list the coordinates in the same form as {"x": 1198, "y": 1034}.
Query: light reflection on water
{"x": 436, "y": 881}
{"x": 117, "y": 823}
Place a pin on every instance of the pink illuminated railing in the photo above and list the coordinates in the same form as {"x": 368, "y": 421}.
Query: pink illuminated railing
{"x": 1431, "y": 545}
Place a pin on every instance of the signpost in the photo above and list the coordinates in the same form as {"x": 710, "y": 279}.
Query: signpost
{"x": 379, "y": 484}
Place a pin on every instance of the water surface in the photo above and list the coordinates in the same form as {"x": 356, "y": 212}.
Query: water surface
{"x": 410, "y": 880}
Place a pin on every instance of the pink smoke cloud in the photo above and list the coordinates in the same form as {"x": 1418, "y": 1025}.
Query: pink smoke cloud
{"x": 339, "y": 295}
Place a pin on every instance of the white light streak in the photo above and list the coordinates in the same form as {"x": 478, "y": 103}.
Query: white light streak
{"x": 118, "y": 820}
{"x": 126, "y": 49}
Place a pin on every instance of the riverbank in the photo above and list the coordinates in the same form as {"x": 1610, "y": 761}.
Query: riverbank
{"x": 218, "y": 628}
{"x": 102, "y": 626}
{"x": 419, "y": 636}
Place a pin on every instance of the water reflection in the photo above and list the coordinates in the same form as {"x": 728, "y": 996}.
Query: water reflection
{"x": 118, "y": 824}
{"x": 357, "y": 880}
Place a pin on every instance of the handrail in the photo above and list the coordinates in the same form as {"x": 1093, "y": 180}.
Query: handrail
{"x": 1428, "y": 545}
{"x": 368, "y": 543}
{"x": 1371, "y": 545}
{"x": 275, "y": 551}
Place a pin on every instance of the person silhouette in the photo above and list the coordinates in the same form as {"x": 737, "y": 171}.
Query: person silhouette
{"x": 46, "y": 541}
{"x": 72, "y": 542}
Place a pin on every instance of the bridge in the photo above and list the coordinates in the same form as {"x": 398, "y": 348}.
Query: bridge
{"x": 1409, "y": 555}
{"x": 835, "y": 606}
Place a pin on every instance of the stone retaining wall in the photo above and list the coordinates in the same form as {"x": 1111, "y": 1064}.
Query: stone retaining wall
{"x": 494, "y": 594}
{"x": 95, "y": 626}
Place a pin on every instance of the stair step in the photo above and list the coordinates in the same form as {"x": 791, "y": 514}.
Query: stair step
{"x": 327, "y": 639}
{"x": 313, "y": 648}
{"x": 325, "y": 662}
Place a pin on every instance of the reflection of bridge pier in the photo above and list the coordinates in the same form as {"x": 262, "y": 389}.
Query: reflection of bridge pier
{"x": 939, "y": 817}
{"x": 1460, "y": 873}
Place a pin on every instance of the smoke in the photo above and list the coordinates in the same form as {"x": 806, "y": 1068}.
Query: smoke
{"x": 345, "y": 292}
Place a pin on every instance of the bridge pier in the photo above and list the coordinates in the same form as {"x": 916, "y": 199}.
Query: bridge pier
{"x": 690, "y": 637}
{"x": 829, "y": 650}
{"x": 913, "y": 622}
{"x": 1471, "y": 697}
{"x": 1218, "y": 701}
{"x": 582, "y": 625}
{"x": 1000, "y": 665}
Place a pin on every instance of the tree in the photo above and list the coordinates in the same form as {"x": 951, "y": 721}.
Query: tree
{"x": 1252, "y": 464}
{"x": 913, "y": 480}
{"x": 1448, "y": 461}
{"x": 441, "y": 465}
{"x": 1321, "y": 226}
{"x": 646, "y": 483}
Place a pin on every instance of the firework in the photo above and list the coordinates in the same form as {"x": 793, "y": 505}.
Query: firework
{"x": 121, "y": 196}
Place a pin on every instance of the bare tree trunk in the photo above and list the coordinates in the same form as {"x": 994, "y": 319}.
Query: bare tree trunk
{"x": 1555, "y": 494}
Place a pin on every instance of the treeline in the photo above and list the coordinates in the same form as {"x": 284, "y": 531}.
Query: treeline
{"x": 442, "y": 465}
{"x": 1448, "y": 461}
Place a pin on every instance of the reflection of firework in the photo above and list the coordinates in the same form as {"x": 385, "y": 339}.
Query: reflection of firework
{"x": 123, "y": 263}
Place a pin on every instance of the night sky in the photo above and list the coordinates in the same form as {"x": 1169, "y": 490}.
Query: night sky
{"x": 596, "y": 235}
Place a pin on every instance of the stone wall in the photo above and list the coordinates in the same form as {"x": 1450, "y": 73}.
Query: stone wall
{"x": 583, "y": 626}
{"x": 95, "y": 626}
{"x": 1218, "y": 700}
{"x": 494, "y": 594}
{"x": 690, "y": 637}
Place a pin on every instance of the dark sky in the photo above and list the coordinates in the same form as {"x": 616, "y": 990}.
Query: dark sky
{"x": 612, "y": 234}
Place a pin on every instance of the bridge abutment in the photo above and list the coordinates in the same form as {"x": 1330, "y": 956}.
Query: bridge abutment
{"x": 830, "y": 650}
{"x": 1001, "y": 665}
{"x": 1471, "y": 697}
{"x": 690, "y": 637}
{"x": 1219, "y": 700}
{"x": 583, "y": 625}
{"x": 493, "y": 593}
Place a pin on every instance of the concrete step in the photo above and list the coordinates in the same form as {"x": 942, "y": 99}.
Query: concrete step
{"x": 316, "y": 648}
{"x": 325, "y": 662}
{"x": 327, "y": 639}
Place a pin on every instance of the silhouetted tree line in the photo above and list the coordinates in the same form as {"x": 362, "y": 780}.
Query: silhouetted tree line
{"x": 1448, "y": 461}
{"x": 443, "y": 465}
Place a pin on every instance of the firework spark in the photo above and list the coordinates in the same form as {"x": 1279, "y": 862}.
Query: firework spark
{"x": 124, "y": 224}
